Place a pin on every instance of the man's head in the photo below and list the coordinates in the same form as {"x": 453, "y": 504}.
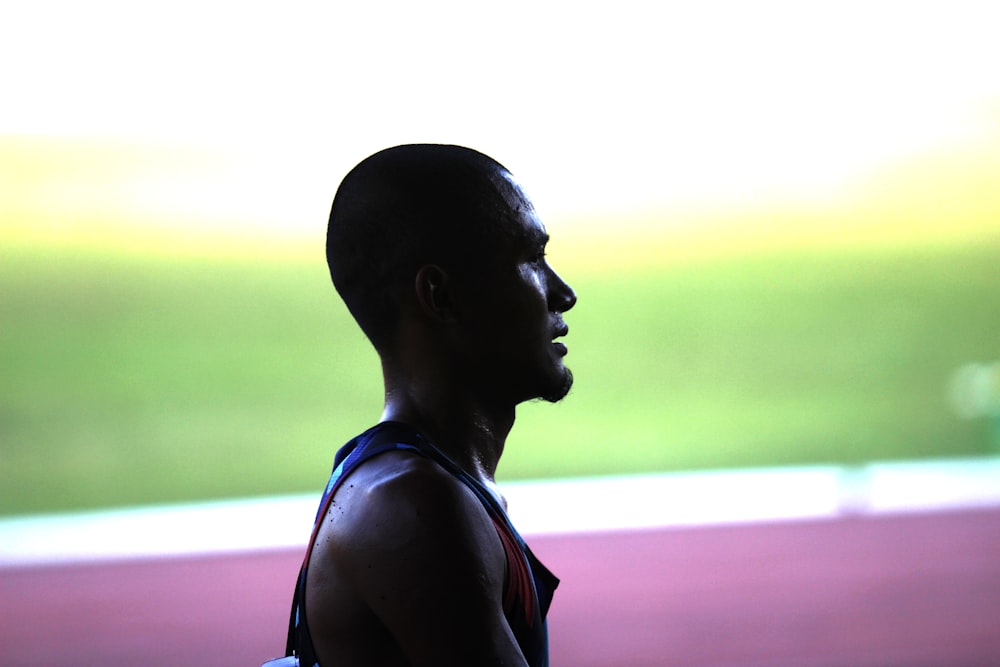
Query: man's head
{"x": 412, "y": 208}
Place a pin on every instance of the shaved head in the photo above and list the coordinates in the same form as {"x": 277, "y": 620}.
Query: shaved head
{"x": 409, "y": 206}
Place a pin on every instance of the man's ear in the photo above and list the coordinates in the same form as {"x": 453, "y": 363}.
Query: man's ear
{"x": 434, "y": 293}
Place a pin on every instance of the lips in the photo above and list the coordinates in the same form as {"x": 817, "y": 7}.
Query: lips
{"x": 560, "y": 348}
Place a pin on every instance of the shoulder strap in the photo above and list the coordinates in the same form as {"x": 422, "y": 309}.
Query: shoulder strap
{"x": 293, "y": 616}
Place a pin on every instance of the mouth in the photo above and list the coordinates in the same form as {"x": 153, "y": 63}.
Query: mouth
{"x": 559, "y": 333}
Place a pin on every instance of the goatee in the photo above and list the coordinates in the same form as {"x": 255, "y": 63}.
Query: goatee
{"x": 562, "y": 390}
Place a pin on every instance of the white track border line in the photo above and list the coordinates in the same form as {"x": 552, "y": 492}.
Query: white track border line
{"x": 587, "y": 505}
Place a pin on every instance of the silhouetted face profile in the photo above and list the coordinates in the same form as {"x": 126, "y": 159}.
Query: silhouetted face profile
{"x": 515, "y": 315}
{"x": 408, "y": 209}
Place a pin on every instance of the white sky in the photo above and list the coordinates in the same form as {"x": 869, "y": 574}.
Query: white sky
{"x": 597, "y": 107}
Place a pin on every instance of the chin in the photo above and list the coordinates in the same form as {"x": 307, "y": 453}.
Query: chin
{"x": 559, "y": 391}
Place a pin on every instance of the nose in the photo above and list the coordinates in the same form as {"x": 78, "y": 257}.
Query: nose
{"x": 561, "y": 295}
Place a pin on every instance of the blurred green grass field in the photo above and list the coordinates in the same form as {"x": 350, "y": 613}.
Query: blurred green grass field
{"x": 141, "y": 379}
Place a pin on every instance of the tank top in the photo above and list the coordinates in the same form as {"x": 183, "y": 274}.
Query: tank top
{"x": 528, "y": 585}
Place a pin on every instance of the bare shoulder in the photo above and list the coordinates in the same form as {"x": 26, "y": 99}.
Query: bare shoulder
{"x": 401, "y": 498}
{"x": 407, "y": 547}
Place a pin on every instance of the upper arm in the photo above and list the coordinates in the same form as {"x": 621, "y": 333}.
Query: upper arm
{"x": 425, "y": 557}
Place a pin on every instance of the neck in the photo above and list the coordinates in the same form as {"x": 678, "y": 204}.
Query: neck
{"x": 467, "y": 429}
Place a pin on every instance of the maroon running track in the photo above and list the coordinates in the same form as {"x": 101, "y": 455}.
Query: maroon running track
{"x": 909, "y": 590}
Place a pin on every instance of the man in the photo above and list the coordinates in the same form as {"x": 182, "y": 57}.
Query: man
{"x": 440, "y": 257}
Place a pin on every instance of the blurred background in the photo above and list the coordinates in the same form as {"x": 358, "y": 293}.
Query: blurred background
{"x": 782, "y": 220}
